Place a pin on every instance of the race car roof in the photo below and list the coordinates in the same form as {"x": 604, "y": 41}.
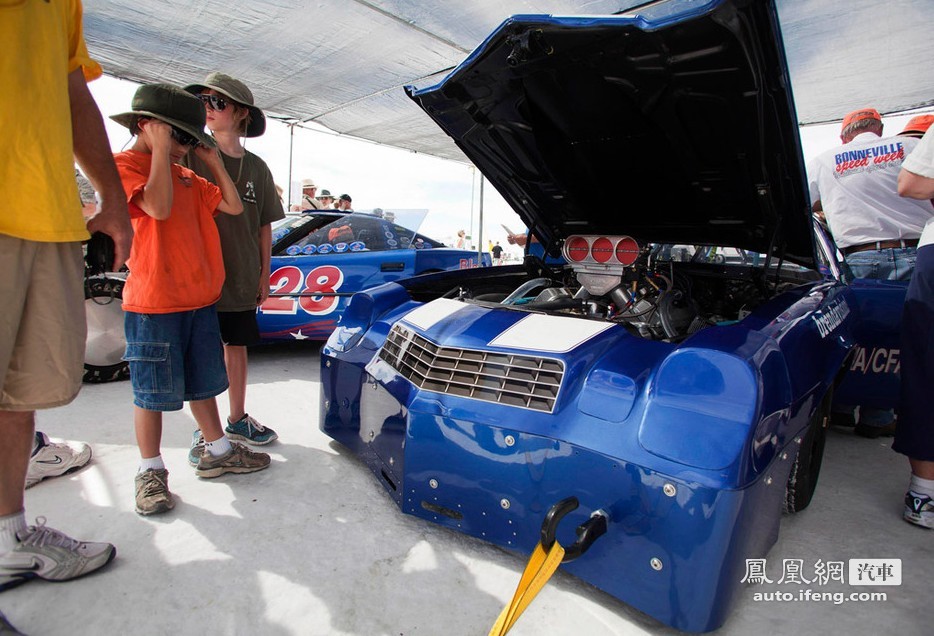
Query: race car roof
{"x": 343, "y": 63}
{"x": 674, "y": 125}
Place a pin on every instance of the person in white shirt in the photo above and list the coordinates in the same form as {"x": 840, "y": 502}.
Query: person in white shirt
{"x": 855, "y": 185}
{"x": 915, "y": 435}
{"x": 308, "y": 200}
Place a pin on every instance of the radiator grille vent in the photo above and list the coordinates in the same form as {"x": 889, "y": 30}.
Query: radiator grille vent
{"x": 516, "y": 380}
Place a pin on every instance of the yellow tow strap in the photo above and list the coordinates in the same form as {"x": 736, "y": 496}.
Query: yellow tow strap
{"x": 539, "y": 569}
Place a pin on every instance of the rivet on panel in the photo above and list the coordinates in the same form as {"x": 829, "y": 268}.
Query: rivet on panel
{"x": 656, "y": 564}
{"x": 433, "y": 483}
{"x": 670, "y": 490}
{"x": 504, "y": 504}
{"x": 510, "y": 440}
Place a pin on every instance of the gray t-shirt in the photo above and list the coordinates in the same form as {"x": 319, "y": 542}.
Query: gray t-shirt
{"x": 240, "y": 234}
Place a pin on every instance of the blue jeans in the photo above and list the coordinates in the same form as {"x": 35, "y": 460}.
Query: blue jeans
{"x": 886, "y": 264}
{"x": 174, "y": 358}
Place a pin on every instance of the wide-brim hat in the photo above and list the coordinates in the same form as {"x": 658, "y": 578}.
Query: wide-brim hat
{"x": 325, "y": 194}
{"x": 237, "y": 91}
{"x": 170, "y": 104}
{"x": 308, "y": 183}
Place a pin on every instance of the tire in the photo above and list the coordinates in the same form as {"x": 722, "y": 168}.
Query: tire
{"x": 802, "y": 481}
{"x": 103, "y": 356}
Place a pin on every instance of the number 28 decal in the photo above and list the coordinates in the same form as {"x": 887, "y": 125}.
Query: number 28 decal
{"x": 289, "y": 279}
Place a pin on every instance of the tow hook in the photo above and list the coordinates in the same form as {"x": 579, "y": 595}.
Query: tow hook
{"x": 587, "y": 532}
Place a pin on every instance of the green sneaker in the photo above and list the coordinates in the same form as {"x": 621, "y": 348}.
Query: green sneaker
{"x": 248, "y": 430}
{"x": 197, "y": 448}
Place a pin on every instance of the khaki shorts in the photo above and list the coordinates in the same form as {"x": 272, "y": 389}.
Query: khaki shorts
{"x": 42, "y": 324}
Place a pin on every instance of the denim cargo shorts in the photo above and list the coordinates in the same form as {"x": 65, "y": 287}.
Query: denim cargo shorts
{"x": 174, "y": 358}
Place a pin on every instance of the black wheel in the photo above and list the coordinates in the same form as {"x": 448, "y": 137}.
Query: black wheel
{"x": 802, "y": 482}
{"x": 103, "y": 356}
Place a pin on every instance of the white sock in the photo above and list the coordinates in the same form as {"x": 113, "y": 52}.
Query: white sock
{"x": 9, "y": 526}
{"x": 156, "y": 463}
{"x": 922, "y": 486}
{"x": 220, "y": 446}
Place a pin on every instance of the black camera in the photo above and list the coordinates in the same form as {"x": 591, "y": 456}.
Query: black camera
{"x": 100, "y": 254}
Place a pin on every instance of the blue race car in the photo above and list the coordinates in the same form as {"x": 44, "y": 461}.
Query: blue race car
{"x": 668, "y": 388}
{"x": 319, "y": 259}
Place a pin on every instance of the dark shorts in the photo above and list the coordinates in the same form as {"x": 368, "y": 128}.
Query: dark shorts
{"x": 238, "y": 328}
{"x": 914, "y": 436}
{"x": 174, "y": 358}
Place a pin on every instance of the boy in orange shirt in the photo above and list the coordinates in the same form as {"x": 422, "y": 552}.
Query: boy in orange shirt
{"x": 176, "y": 274}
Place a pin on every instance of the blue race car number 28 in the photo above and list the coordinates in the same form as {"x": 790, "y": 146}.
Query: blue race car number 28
{"x": 325, "y": 279}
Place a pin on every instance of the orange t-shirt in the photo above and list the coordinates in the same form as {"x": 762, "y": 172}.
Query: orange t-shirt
{"x": 175, "y": 264}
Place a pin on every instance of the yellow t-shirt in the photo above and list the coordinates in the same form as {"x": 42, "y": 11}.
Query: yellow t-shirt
{"x": 40, "y": 44}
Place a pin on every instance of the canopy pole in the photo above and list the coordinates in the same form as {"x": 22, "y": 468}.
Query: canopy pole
{"x": 473, "y": 192}
{"x": 480, "y": 224}
{"x": 291, "y": 145}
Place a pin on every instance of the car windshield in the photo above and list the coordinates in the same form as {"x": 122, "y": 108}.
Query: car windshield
{"x": 381, "y": 230}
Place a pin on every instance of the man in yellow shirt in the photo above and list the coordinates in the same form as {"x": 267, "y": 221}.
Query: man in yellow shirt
{"x": 48, "y": 120}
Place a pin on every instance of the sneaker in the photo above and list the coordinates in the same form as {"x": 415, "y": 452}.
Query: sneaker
{"x": 872, "y": 432}
{"x": 248, "y": 430}
{"x": 51, "y": 459}
{"x": 51, "y": 555}
{"x": 238, "y": 459}
{"x": 919, "y": 509}
{"x": 197, "y": 448}
{"x": 152, "y": 492}
{"x": 7, "y": 629}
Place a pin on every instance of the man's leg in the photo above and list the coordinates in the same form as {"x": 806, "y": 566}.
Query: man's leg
{"x": 17, "y": 430}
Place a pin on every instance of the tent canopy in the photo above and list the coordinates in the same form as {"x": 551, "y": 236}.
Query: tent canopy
{"x": 343, "y": 63}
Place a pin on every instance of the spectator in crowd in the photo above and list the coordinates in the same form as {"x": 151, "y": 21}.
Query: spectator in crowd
{"x": 246, "y": 242}
{"x": 172, "y": 333}
{"x": 41, "y": 231}
{"x": 854, "y": 184}
{"x": 325, "y": 200}
{"x": 915, "y": 434}
{"x": 917, "y": 126}
{"x": 308, "y": 200}
{"x": 87, "y": 195}
{"x": 461, "y": 242}
{"x": 344, "y": 203}
{"x": 497, "y": 252}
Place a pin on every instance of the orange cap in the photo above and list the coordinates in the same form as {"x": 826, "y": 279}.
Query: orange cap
{"x": 918, "y": 124}
{"x": 859, "y": 115}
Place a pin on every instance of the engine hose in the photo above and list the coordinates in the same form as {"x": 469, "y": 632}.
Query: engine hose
{"x": 557, "y": 303}
{"x": 524, "y": 288}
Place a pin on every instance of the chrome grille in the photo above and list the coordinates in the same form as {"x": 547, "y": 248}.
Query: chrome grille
{"x": 516, "y": 380}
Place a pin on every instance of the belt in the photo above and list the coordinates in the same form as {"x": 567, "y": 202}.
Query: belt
{"x": 881, "y": 245}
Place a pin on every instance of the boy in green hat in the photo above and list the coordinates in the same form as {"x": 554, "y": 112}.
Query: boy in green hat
{"x": 176, "y": 274}
{"x": 246, "y": 242}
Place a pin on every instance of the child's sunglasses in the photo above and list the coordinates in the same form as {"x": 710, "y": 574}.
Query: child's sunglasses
{"x": 216, "y": 102}
{"x": 184, "y": 138}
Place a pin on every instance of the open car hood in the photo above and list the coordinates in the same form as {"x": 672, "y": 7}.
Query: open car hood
{"x": 673, "y": 124}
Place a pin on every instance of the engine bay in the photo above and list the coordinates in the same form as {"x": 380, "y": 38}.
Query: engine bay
{"x": 656, "y": 291}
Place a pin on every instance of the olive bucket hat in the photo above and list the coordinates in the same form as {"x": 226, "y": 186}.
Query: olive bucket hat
{"x": 170, "y": 104}
{"x": 237, "y": 91}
